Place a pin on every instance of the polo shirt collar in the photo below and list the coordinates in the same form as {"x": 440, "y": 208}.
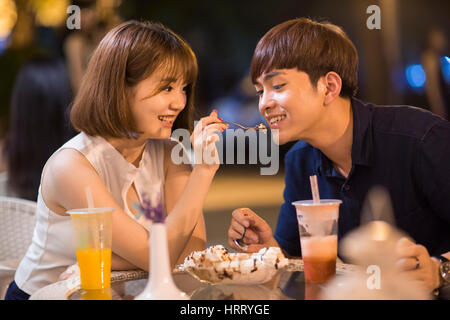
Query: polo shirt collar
{"x": 362, "y": 146}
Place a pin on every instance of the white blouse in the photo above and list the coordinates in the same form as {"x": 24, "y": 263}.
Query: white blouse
{"x": 52, "y": 249}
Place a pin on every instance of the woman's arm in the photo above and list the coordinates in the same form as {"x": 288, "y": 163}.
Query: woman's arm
{"x": 68, "y": 173}
{"x": 197, "y": 242}
{"x": 119, "y": 263}
{"x": 186, "y": 191}
{"x": 66, "y": 176}
{"x": 176, "y": 180}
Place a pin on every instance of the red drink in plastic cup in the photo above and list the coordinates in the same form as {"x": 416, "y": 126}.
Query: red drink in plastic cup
{"x": 317, "y": 222}
{"x": 319, "y": 258}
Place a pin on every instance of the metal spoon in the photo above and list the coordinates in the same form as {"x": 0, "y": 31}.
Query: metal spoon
{"x": 240, "y": 242}
{"x": 257, "y": 127}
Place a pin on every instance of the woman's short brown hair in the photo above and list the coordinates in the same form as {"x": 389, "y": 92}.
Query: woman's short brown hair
{"x": 312, "y": 47}
{"x": 128, "y": 54}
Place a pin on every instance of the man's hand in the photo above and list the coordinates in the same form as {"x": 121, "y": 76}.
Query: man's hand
{"x": 258, "y": 233}
{"x": 416, "y": 262}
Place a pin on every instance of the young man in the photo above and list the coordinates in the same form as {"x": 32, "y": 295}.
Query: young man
{"x": 305, "y": 74}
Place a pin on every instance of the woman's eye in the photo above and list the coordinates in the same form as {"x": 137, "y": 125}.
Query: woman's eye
{"x": 168, "y": 89}
{"x": 259, "y": 93}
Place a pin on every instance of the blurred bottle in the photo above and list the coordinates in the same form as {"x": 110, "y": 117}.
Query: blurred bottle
{"x": 373, "y": 249}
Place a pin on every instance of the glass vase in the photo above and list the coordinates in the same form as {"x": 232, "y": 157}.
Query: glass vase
{"x": 160, "y": 285}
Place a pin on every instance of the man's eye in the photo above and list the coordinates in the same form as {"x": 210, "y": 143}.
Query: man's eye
{"x": 168, "y": 88}
{"x": 279, "y": 86}
{"x": 259, "y": 93}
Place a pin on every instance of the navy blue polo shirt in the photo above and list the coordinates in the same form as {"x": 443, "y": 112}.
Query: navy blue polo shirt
{"x": 405, "y": 149}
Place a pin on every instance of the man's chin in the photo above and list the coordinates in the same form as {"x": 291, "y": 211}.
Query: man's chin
{"x": 279, "y": 138}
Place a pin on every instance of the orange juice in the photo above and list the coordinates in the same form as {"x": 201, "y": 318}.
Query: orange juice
{"x": 95, "y": 268}
{"x": 101, "y": 294}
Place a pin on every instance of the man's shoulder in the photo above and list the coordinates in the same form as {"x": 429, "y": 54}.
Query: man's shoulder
{"x": 301, "y": 156}
{"x": 403, "y": 120}
{"x": 299, "y": 148}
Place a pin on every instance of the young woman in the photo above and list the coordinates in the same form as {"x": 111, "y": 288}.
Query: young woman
{"x": 139, "y": 85}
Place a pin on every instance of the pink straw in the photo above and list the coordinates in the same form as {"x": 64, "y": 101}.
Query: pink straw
{"x": 314, "y": 188}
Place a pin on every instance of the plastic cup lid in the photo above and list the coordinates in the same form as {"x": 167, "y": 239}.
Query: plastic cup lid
{"x": 89, "y": 210}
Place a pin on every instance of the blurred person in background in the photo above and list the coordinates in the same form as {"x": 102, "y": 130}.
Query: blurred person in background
{"x": 23, "y": 45}
{"x": 38, "y": 124}
{"x": 436, "y": 88}
{"x": 80, "y": 44}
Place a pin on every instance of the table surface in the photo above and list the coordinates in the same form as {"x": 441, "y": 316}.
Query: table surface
{"x": 288, "y": 284}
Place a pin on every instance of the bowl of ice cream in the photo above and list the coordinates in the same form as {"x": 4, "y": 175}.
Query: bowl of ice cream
{"x": 216, "y": 265}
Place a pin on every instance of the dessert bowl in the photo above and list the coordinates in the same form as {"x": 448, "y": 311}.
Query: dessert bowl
{"x": 216, "y": 265}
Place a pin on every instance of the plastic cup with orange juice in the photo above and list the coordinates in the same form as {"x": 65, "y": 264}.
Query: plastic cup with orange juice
{"x": 93, "y": 238}
{"x": 318, "y": 225}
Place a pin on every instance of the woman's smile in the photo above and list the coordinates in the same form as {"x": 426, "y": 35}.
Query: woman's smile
{"x": 167, "y": 120}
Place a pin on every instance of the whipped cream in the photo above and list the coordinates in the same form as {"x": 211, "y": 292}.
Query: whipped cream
{"x": 262, "y": 127}
{"x": 227, "y": 265}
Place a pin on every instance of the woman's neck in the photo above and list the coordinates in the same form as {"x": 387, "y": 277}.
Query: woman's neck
{"x": 130, "y": 149}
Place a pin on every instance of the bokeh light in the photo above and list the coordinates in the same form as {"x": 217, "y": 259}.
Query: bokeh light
{"x": 445, "y": 63}
{"x": 50, "y": 13}
{"x": 415, "y": 75}
{"x": 8, "y": 17}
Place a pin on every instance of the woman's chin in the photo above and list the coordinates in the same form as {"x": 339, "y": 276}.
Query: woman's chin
{"x": 163, "y": 133}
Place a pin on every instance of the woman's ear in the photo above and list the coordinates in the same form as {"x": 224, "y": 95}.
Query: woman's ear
{"x": 333, "y": 84}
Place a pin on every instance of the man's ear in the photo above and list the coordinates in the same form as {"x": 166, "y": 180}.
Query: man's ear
{"x": 333, "y": 83}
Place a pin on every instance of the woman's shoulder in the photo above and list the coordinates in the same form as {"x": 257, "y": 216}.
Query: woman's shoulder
{"x": 72, "y": 156}
{"x": 65, "y": 162}
{"x": 63, "y": 173}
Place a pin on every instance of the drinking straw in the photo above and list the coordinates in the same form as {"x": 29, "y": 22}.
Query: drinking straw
{"x": 90, "y": 202}
{"x": 89, "y": 198}
{"x": 314, "y": 188}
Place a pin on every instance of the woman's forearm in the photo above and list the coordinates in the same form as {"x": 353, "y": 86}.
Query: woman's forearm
{"x": 197, "y": 242}
{"x": 119, "y": 263}
{"x": 184, "y": 216}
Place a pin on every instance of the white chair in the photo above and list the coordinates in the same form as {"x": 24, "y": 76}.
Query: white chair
{"x": 17, "y": 221}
